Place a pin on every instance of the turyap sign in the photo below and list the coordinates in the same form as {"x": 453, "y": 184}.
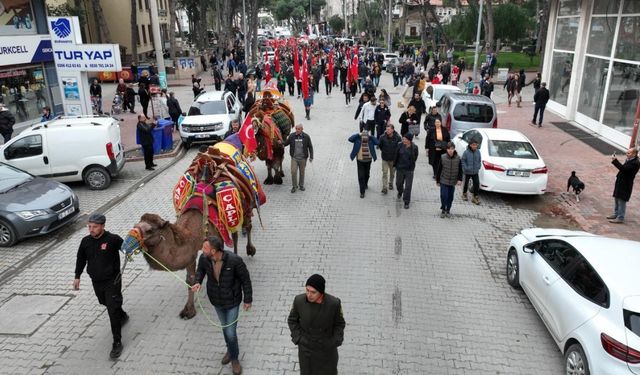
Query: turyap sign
{"x": 25, "y": 49}
{"x": 73, "y": 60}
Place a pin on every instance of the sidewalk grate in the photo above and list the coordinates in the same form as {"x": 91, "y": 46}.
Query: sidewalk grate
{"x": 590, "y": 139}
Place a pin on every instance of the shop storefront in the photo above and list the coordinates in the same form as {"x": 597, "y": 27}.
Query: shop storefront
{"x": 593, "y": 64}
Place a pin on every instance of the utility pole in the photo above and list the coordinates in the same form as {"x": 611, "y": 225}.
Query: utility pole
{"x": 244, "y": 27}
{"x": 389, "y": 46}
{"x": 475, "y": 57}
{"x": 157, "y": 43}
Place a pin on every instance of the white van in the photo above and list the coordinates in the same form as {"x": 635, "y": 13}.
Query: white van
{"x": 77, "y": 148}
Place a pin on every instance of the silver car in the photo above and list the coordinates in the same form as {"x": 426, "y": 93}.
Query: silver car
{"x": 32, "y": 206}
{"x": 461, "y": 112}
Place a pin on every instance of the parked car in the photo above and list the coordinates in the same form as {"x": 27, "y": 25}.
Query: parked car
{"x": 393, "y": 62}
{"x": 462, "y": 112}
{"x": 583, "y": 288}
{"x": 433, "y": 93}
{"x": 31, "y": 206}
{"x": 510, "y": 162}
{"x": 386, "y": 57}
{"x": 209, "y": 117}
{"x": 73, "y": 148}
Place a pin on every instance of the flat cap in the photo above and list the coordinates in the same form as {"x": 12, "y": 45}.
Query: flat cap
{"x": 97, "y": 219}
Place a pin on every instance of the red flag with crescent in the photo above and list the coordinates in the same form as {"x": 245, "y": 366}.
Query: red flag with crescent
{"x": 248, "y": 136}
{"x": 267, "y": 68}
{"x": 330, "y": 66}
{"x": 276, "y": 59}
{"x": 354, "y": 67}
{"x": 296, "y": 63}
{"x": 305, "y": 75}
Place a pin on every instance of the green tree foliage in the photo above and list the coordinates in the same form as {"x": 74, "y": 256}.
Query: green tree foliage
{"x": 463, "y": 26}
{"x": 511, "y": 22}
{"x": 369, "y": 18}
{"x": 296, "y": 12}
{"x": 337, "y": 24}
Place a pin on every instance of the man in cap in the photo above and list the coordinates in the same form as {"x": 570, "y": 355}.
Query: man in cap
{"x": 317, "y": 327}
{"x": 99, "y": 251}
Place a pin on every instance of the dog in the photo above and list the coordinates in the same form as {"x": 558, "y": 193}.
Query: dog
{"x": 577, "y": 185}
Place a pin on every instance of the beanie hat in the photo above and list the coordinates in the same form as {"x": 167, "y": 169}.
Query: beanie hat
{"x": 316, "y": 282}
{"x": 408, "y": 136}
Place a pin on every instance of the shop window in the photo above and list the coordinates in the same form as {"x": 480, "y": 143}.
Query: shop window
{"x": 561, "y": 71}
{"x": 16, "y": 18}
{"x": 622, "y": 99}
{"x": 628, "y": 47}
{"x": 566, "y": 33}
{"x": 601, "y": 35}
{"x": 23, "y": 91}
{"x": 569, "y": 7}
{"x": 594, "y": 80}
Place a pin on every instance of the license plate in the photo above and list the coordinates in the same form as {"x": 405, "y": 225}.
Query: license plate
{"x": 66, "y": 213}
{"x": 202, "y": 136}
{"x": 517, "y": 173}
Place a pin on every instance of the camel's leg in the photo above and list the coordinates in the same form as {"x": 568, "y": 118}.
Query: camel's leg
{"x": 234, "y": 237}
{"x": 269, "y": 179}
{"x": 251, "y": 250}
{"x": 189, "y": 310}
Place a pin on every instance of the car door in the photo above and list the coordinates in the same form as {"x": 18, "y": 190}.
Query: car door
{"x": 577, "y": 297}
{"x": 29, "y": 154}
{"x": 235, "y": 107}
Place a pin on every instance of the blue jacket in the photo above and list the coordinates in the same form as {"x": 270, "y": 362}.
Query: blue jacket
{"x": 357, "y": 143}
{"x": 471, "y": 161}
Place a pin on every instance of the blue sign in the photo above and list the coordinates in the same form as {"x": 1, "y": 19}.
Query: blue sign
{"x": 61, "y": 27}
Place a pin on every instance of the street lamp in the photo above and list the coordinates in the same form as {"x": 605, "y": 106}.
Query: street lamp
{"x": 475, "y": 57}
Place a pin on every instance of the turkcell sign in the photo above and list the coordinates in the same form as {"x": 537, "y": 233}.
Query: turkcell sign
{"x": 25, "y": 49}
{"x": 88, "y": 57}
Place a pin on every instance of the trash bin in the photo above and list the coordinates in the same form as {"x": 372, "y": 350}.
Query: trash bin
{"x": 167, "y": 133}
{"x": 157, "y": 139}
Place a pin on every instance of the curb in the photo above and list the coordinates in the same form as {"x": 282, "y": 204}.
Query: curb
{"x": 79, "y": 222}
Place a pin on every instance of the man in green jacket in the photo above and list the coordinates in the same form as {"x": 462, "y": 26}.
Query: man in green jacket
{"x": 317, "y": 327}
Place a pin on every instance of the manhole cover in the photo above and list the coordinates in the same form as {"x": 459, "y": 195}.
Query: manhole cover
{"x": 24, "y": 314}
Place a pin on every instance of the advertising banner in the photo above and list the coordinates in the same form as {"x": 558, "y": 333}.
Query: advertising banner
{"x": 16, "y": 17}
{"x": 25, "y": 49}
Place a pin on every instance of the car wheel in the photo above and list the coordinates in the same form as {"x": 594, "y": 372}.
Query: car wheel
{"x": 576, "y": 361}
{"x": 97, "y": 178}
{"x": 513, "y": 268}
{"x": 7, "y": 234}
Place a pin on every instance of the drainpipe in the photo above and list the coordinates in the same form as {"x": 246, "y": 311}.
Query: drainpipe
{"x": 634, "y": 132}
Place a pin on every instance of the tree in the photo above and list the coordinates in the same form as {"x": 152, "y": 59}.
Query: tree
{"x": 172, "y": 28}
{"x": 511, "y": 22}
{"x": 104, "y": 36}
{"x": 369, "y": 19}
{"x": 463, "y": 26}
{"x": 337, "y": 24}
{"x": 295, "y": 12}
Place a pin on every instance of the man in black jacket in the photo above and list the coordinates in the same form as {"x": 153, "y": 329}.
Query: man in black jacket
{"x": 317, "y": 328}
{"x": 100, "y": 250}
{"x": 174, "y": 109}
{"x": 541, "y": 97}
{"x": 389, "y": 143}
{"x": 95, "y": 90}
{"x": 624, "y": 184}
{"x": 381, "y": 117}
{"x": 405, "y": 163}
{"x": 228, "y": 285}
{"x": 301, "y": 149}
{"x": 145, "y": 135}
{"x": 7, "y": 120}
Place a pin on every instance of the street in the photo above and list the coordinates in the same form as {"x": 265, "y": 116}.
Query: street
{"x": 421, "y": 295}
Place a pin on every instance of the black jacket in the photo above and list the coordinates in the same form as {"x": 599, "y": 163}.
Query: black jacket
{"x": 7, "y": 120}
{"x": 143, "y": 94}
{"x": 430, "y": 121}
{"x": 95, "y": 90}
{"x": 145, "y": 133}
{"x": 102, "y": 255}
{"x": 430, "y": 142}
{"x": 307, "y": 146}
{"x": 317, "y": 328}
{"x": 234, "y": 281}
{"x": 381, "y": 115}
{"x": 541, "y": 96}
{"x": 404, "y": 120}
{"x": 389, "y": 146}
{"x": 174, "y": 107}
{"x": 406, "y": 158}
{"x": 624, "y": 179}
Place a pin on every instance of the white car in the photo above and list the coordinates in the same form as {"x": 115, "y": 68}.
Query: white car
{"x": 209, "y": 117}
{"x": 510, "y": 163}
{"x": 388, "y": 56}
{"x": 586, "y": 290}
{"x": 431, "y": 99}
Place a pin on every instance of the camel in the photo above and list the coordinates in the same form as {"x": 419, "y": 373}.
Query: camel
{"x": 176, "y": 245}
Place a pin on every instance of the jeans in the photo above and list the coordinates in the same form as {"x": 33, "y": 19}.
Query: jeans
{"x": 227, "y": 316}
{"x": 297, "y": 165}
{"x": 395, "y": 79}
{"x": 446, "y": 196}
{"x": 376, "y": 80}
{"x": 476, "y": 183}
{"x": 387, "y": 169}
{"x": 360, "y": 84}
{"x": 404, "y": 182}
{"x": 364, "y": 167}
{"x": 401, "y": 79}
{"x": 538, "y": 107}
{"x": 620, "y": 208}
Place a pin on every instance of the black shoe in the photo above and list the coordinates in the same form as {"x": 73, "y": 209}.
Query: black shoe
{"x": 150, "y": 168}
{"x": 154, "y": 165}
{"x": 399, "y": 195}
{"x": 293, "y": 189}
{"x": 406, "y": 205}
{"x": 361, "y": 195}
{"x": 116, "y": 350}
{"x": 124, "y": 320}
{"x": 301, "y": 188}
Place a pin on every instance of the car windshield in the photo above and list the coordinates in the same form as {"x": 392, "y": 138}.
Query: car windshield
{"x": 632, "y": 321}
{"x": 207, "y": 108}
{"x": 511, "y": 149}
{"x": 473, "y": 112}
{"x": 11, "y": 178}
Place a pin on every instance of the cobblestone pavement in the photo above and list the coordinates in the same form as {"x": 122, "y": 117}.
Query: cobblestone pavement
{"x": 421, "y": 295}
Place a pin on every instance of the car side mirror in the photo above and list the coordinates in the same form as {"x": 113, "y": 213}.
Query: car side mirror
{"x": 438, "y": 104}
{"x": 528, "y": 248}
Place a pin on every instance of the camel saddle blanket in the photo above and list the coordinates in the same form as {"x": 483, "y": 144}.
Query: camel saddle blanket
{"x": 244, "y": 167}
{"x": 196, "y": 202}
{"x": 229, "y": 205}
{"x": 270, "y": 131}
{"x": 183, "y": 191}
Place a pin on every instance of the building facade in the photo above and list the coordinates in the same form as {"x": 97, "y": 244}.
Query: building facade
{"x": 28, "y": 80}
{"x": 592, "y": 64}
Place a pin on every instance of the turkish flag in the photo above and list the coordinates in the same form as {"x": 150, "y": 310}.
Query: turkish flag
{"x": 276, "y": 60}
{"x": 330, "y": 66}
{"x": 248, "y": 136}
{"x": 267, "y": 68}
{"x": 296, "y": 63}
{"x": 305, "y": 75}
{"x": 354, "y": 67}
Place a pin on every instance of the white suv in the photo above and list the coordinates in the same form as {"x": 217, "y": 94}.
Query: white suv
{"x": 209, "y": 117}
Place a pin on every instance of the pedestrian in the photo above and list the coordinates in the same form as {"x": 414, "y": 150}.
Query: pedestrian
{"x": 388, "y": 144}
{"x": 405, "y": 164}
{"x": 217, "y": 77}
{"x": 436, "y": 144}
{"x": 203, "y": 62}
{"x": 235, "y": 128}
{"x": 143, "y": 95}
{"x": 364, "y": 98}
{"x": 430, "y": 120}
{"x": 327, "y": 81}
{"x": 624, "y": 184}
{"x": 381, "y": 117}
{"x": 367, "y": 115}
{"x": 487, "y": 88}
{"x": 540, "y": 98}
{"x": 145, "y": 135}
{"x": 418, "y": 103}
{"x": 346, "y": 89}
{"x": 471, "y": 163}
{"x": 7, "y": 120}
{"x": 174, "y": 109}
{"x": 469, "y": 85}
{"x": 228, "y": 285}
{"x": 518, "y": 88}
{"x": 308, "y": 101}
{"x": 300, "y": 150}
{"x": 364, "y": 152}
{"x": 317, "y": 328}
{"x": 46, "y": 114}
{"x": 100, "y": 253}
{"x": 385, "y": 95}
{"x": 408, "y": 120}
{"x": 282, "y": 83}
{"x": 291, "y": 80}
{"x": 536, "y": 82}
{"x": 448, "y": 176}
{"x": 130, "y": 98}
{"x": 95, "y": 90}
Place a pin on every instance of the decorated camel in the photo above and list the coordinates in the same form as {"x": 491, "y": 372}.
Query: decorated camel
{"x": 221, "y": 184}
{"x": 272, "y": 121}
